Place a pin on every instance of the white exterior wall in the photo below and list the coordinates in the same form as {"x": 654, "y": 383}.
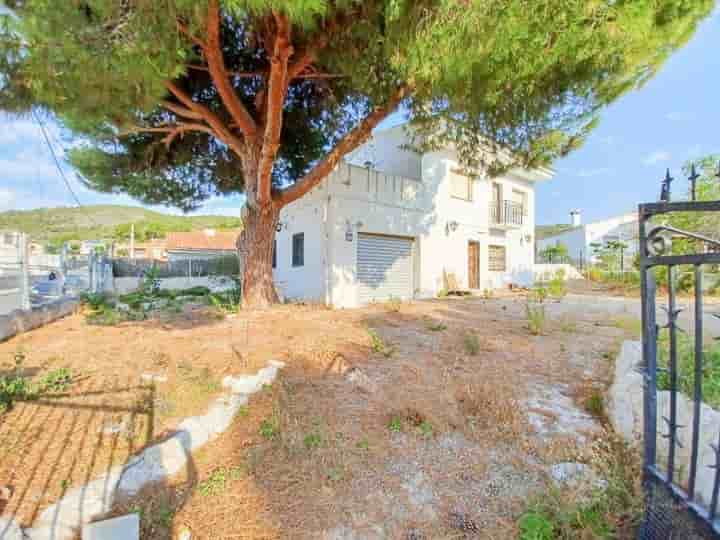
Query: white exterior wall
{"x": 578, "y": 240}
{"x": 406, "y": 195}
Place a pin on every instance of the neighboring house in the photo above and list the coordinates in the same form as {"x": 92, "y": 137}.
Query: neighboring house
{"x": 402, "y": 226}
{"x": 205, "y": 244}
{"x": 580, "y": 239}
{"x": 155, "y": 249}
{"x": 90, "y": 246}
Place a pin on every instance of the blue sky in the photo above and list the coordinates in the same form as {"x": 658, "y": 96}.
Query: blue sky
{"x": 673, "y": 118}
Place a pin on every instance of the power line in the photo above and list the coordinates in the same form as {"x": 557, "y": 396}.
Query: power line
{"x": 55, "y": 159}
{"x": 58, "y": 167}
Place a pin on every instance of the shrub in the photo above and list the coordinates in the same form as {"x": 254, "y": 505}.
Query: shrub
{"x": 94, "y": 300}
{"x": 536, "y": 526}
{"x": 556, "y": 286}
{"x": 395, "y": 424}
{"x": 472, "y": 344}
{"x": 14, "y": 386}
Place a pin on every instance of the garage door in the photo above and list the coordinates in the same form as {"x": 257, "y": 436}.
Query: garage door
{"x": 384, "y": 267}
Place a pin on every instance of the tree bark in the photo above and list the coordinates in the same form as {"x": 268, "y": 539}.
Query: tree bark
{"x": 255, "y": 249}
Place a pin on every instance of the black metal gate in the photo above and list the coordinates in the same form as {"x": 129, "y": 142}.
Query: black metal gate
{"x": 677, "y": 505}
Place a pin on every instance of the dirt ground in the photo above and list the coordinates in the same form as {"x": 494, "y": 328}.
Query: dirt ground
{"x": 436, "y": 419}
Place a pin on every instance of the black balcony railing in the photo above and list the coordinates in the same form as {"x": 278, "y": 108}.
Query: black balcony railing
{"x": 509, "y": 213}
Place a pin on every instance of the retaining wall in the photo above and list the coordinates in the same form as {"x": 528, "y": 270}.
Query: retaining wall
{"x": 19, "y": 320}
{"x": 625, "y": 411}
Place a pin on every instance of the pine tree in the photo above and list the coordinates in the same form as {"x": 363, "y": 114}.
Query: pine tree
{"x": 179, "y": 100}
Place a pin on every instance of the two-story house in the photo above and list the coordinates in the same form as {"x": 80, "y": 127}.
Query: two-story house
{"x": 390, "y": 222}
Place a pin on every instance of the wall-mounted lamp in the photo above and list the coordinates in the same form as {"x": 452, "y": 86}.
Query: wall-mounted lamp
{"x": 451, "y": 226}
{"x": 280, "y": 226}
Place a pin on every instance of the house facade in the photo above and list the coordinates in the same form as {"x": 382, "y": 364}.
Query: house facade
{"x": 390, "y": 222}
{"x": 581, "y": 239}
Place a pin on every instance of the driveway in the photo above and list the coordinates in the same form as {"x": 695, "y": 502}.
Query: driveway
{"x": 578, "y": 304}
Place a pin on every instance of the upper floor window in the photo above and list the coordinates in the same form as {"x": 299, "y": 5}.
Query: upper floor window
{"x": 298, "y": 249}
{"x": 461, "y": 186}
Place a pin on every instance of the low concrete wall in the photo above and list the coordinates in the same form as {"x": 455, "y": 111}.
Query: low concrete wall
{"x": 19, "y": 321}
{"x": 625, "y": 411}
{"x": 127, "y": 285}
{"x": 545, "y": 272}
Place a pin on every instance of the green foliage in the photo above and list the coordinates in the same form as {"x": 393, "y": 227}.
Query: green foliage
{"x": 426, "y": 429}
{"x": 14, "y": 385}
{"x": 554, "y": 254}
{"x": 471, "y": 343}
{"x": 313, "y": 441}
{"x": 395, "y": 424}
{"x": 57, "y": 380}
{"x": 536, "y": 526}
{"x": 686, "y": 367}
{"x": 595, "y": 404}
{"x": 436, "y": 326}
{"x": 535, "y": 310}
{"x": 528, "y": 77}
{"x": 556, "y": 286}
{"x": 94, "y": 300}
{"x": 269, "y": 428}
{"x": 218, "y": 481}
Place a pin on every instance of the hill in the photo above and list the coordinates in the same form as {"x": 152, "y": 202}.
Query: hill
{"x": 56, "y": 225}
{"x": 543, "y": 231}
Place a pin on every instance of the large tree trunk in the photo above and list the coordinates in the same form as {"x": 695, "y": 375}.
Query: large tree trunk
{"x": 255, "y": 247}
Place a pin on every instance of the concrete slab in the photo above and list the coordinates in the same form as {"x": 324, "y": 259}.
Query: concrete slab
{"x": 120, "y": 528}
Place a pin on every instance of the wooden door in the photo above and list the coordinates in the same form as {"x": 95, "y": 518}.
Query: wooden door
{"x": 474, "y": 265}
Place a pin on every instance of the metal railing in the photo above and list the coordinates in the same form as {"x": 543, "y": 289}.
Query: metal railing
{"x": 507, "y": 213}
{"x": 680, "y": 503}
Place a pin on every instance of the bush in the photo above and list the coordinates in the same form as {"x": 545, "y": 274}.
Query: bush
{"x": 472, "y": 344}
{"x": 686, "y": 367}
{"x": 556, "y": 287}
{"x": 14, "y": 386}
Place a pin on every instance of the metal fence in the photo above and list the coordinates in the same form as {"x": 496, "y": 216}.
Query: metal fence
{"x": 680, "y": 502}
{"x": 216, "y": 266}
{"x": 28, "y": 280}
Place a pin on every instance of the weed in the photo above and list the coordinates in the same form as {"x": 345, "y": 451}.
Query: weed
{"x": 335, "y": 474}
{"x": 535, "y": 312}
{"x": 426, "y": 429}
{"x": 595, "y": 404}
{"x": 94, "y": 300}
{"x": 266, "y": 387}
{"x": 556, "y": 286}
{"x": 15, "y": 386}
{"x": 269, "y": 428}
{"x": 442, "y": 293}
{"x": 57, "y": 380}
{"x": 472, "y": 344}
{"x": 64, "y": 484}
{"x": 436, "y": 326}
{"x": 312, "y": 441}
{"x": 378, "y": 345}
{"x": 218, "y": 480}
{"x": 363, "y": 444}
{"x": 395, "y": 425}
{"x": 165, "y": 515}
{"x": 487, "y": 294}
{"x": 243, "y": 411}
{"x": 536, "y": 526}
{"x": 686, "y": 367}
{"x": 568, "y": 326}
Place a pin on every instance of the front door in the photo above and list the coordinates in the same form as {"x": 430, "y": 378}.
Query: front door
{"x": 474, "y": 265}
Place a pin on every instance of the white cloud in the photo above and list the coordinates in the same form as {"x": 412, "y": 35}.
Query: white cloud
{"x": 657, "y": 157}
{"x": 19, "y": 132}
{"x": 677, "y": 116}
{"x": 588, "y": 173}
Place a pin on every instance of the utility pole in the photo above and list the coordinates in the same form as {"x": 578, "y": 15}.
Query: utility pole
{"x": 132, "y": 241}
{"x": 24, "y": 258}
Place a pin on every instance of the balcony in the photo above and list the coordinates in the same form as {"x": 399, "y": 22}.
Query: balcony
{"x": 506, "y": 214}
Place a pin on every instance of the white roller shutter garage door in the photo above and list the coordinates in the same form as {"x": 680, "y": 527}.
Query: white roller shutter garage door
{"x": 384, "y": 267}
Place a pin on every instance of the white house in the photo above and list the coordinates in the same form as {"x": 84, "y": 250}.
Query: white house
{"x": 390, "y": 222}
{"x": 579, "y": 239}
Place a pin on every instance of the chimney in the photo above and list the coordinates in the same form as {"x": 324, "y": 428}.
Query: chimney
{"x": 575, "y": 218}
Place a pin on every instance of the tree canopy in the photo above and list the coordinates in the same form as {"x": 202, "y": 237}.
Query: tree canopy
{"x": 179, "y": 100}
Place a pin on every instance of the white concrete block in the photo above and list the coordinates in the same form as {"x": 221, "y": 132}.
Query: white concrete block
{"x": 120, "y": 528}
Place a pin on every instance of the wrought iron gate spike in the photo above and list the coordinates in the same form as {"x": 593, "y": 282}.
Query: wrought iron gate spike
{"x": 672, "y": 435}
{"x": 693, "y": 182}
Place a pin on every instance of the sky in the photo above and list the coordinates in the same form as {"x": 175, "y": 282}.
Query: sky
{"x": 673, "y": 118}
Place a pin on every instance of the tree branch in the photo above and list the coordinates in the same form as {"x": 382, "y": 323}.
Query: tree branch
{"x": 181, "y": 111}
{"x": 277, "y": 90}
{"x": 182, "y": 27}
{"x": 265, "y": 73}
{"x": 218, "y": 72}
{"x": 172, "y": 131}
{"x": 220, "y": 130}
{"x": 350, "y": 142}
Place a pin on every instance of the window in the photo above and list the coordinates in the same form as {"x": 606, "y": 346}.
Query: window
{"x": 496, "y": 255}
{"x": 460, "y": 186}
{"x": 298, "y": 249}
{"x": 274, "y": 262}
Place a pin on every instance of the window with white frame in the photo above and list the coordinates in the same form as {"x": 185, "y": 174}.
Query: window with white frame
{"x": 497, "y": 259}
{"x": 460, "y": 186}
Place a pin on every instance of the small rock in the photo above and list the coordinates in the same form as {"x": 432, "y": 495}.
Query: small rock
{"x": 569, "y": 473}
{"x": 112, "y": 428}
{"x": 361, "y": 380}
{"x": 152, "y": 377}
{"x": 185, "y": 534}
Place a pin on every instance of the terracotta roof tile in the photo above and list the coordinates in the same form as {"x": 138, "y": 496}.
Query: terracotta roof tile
{"x": 202, "y": 240}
